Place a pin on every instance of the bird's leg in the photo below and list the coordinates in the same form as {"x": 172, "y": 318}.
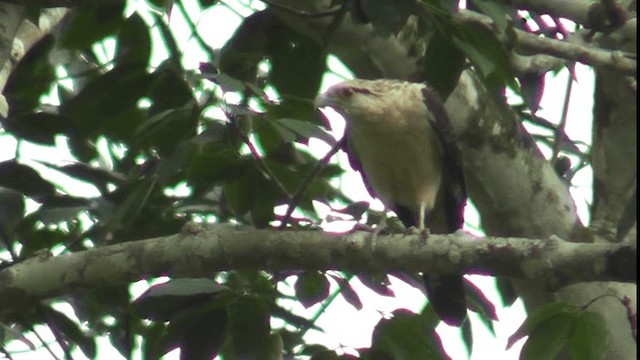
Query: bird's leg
{"x": 422, "y": 228}
{"x": 381, "y": 227}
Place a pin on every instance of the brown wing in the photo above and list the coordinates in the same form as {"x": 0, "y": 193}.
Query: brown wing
{"x": 453, "y": 191}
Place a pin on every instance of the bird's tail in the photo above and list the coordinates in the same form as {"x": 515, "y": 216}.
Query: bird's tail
{"x": 446, "y": 295}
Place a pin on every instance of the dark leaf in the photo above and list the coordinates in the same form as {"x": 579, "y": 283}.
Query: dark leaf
{"x": 387, "y": 17}
{"x": 165, "y": 130}
{"x": 443, "y": 62}
{"x": 532, "y": 88}
{"x": 199, "y": 332}
{"x": 163, "y": 301}
{"x": 467, "y": 336}
{"x": 549, "y": 337}
{"x": 306, "y": 129}
{"x": 72, "y": 332}
{"x": 61, "y": 208}
{"x": 170, "y": 89}
{"x": 133, "y": 43}
{"x": 482, "y": 305}
{"x": 347, "y": 292}
{"x": 109, "y": 103}
{"x": 249, "y": 325}
{"x": 24, "y": 179}
{"x": 588, "y": 340}
{"x": 541, "y": 318}
{"x": 506, "y": 291}
{"x": 100, "y": 178}
{"x": 379, "y": 284}
{"x": 311, "y": 288}
{"x": 292, "y": 319}
{"x": 404, "y": 336}
{"x": 39, "y": 127}
{"x": 11, "y": 212}
{"x": 487, "y": 53}
{"x": 31, "y": 78}
{"x": 92, "y": 24}
{"x": 355, "y": 209}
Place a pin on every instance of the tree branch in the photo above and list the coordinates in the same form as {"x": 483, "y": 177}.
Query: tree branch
{"x": 573, "y": 51}
{"x": 201, "y": 250}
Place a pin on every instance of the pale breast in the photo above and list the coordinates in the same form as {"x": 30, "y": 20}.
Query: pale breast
{"x": 402, "y": 166}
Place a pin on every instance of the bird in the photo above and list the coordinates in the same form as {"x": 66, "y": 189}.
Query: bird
{"x": 399, "y": 138}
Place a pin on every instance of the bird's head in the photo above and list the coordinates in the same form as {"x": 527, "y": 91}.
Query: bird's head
{"x": 364, "y": 99}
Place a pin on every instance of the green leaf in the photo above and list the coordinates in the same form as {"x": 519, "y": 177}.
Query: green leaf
{"x": 404, "y": 336}
{"x": 163, "y": 301}
{"x": 165, "y": 130}
{"x": 92, "y": 24}
{"x": 133, "y": 43}
{"x": 549, "y": 337}
{"x": 249, "y": 325}
{"x": 479, "y": 302}
{"x": 467, "y": 336}
{"x": 240, "y": 195}
{"x": 200, "y": 333}
{"x": 347, "y": 292}
{"x": 72, "y": 332}
{"x": 11, "y": 211}
{"x": 306, "y": 129}
{"x": 443, "y": 62}
{"x": 487, "y": 53}
{"x": 24, "y": 179}
{"x": 507, "y": 293}
{"x": 31, "y": 78}
{"x": 588, "y": 340}
{"x": 39, "y": 127}
{"x": 311, "y": 288}
{"x": 542, "y": 315}
{"x": 387, "y": 17}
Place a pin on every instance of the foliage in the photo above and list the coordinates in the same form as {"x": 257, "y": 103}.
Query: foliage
{"x": 234, "y": 133}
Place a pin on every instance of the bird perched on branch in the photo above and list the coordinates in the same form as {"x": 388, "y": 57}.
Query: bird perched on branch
{"x": 400, "y": 140}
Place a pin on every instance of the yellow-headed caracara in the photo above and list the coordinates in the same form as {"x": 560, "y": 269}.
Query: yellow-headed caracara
{"x": 400, "y": 140}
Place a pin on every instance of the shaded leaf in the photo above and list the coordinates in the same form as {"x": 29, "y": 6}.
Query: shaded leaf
{"x": 163, "y": 301}
{"x": 249, "y": 325}
{"x": 347, "y": 292}
{"x": 72, "y": 332}
{"x": 11, "y": 212}
{"x": 549, "y": 337}
{"x": 306, "y": 129}
{"x": 540, "y": 319}
{"x": 479, "y": 302}
{"x": 31, "y": 78}
{"x": 24, "y": 179}
{"x": 311, "y": 288}
{"x": 379, "y": 284}
{"x": 133, "y": 42}
{"x": 92, "y": 24}
{"x": 386, "y": 17}
{"x": 588, "y": 340}
{"x": 404, "y": 336}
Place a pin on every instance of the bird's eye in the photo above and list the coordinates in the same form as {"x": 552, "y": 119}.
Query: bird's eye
{"x": 346, "y": 92}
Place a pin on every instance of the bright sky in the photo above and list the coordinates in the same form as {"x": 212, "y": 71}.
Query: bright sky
{"x": 344, "y": 326}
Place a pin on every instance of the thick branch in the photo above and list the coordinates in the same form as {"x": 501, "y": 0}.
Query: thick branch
{"x": 202, "y": 250}
{"x": 573, "y": 51}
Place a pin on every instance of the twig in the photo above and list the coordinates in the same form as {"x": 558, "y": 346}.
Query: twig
{"x": 563, "y": 122}
{"x": 44, "y": 343}
{"x": 257, "y": 157}
{"x": 315, "y": 170}
{"x": 303, "y": 13}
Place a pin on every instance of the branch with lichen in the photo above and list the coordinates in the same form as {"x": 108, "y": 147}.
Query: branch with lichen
{"x": 201, "y": 250}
